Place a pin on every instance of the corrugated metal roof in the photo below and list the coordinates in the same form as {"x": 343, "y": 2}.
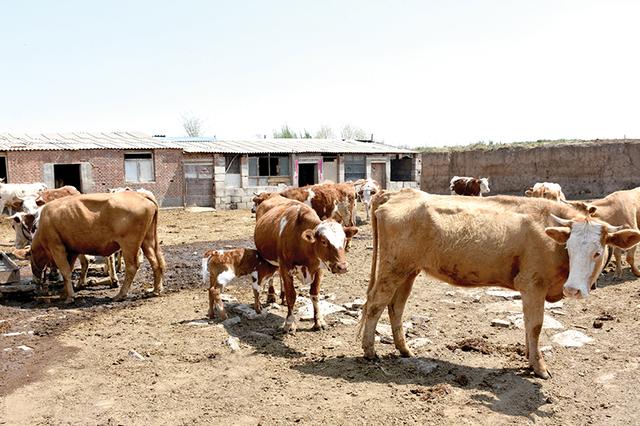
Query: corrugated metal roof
{"x": 82, "y": 141}
{"x": 285, "y": 146}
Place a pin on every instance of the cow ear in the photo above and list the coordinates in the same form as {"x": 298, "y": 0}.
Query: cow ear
{"x": 624, "y": 239}
{"x": 15, "y": 218}
{"x": 308, "y": 236}
{"x": 560, "y": 234}
{"x": 591, "y": 210}
{"x": 350, "y": 231}
{"x": 39, "y": 202}
{"x": 528, "y": 192}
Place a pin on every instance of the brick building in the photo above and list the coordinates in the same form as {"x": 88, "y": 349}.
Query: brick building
{"x": 95, "y": 162}
{"x": 227, "y": 173}
{"x": 199, "y": 171}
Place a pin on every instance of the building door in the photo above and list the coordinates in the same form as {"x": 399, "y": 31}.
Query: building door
{"x": 307, "y": 174}
{"x": 67, "y": 174}
{"x": 330, "y": 168}
{"x": 198, "y": 179}
{"x": 379, "y": 174}
{"x": 3, "y": 169}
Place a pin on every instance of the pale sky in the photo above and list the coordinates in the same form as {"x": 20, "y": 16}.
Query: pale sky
{"x": 418, "y": 73}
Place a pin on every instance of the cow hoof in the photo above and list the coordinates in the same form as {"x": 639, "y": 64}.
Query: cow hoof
{"x": 119, "y": 298}
{"x": 258, "y": 309}
{"x": 68, "y": 300}
{"x": 319, "y": 325}
{"x": 406, "y": 353}
{"x": 289, "y": 327}
{"x": 371, "y": 355}
{"x": 114, "y": 284}
{"x": 543, "y": 374}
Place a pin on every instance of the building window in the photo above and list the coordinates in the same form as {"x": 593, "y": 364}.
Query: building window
{"x": 402, "y": 169}
{"x": 269, "y": 169}
{"x": 138, "y": 167}
{"x": 354, "y": 167}
{"x": 232, "y": 163}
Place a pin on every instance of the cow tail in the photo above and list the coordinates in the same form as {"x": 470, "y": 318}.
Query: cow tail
{"x": 376, "y": 201}
{"x": 161, "y": 263}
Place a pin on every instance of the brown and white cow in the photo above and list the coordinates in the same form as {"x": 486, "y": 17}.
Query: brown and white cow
{"x": 220, "y": 267}
{"x": 471, "y": 186}
{"x": 506, "y": 241}
{"x": 292, "y": 236}
{"x": 98, "y": 224}
{"x": 548, "y": 190}
{"x": 620, "y": 208}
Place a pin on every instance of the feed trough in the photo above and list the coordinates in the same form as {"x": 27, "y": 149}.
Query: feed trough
{"x": 10, "y": 281}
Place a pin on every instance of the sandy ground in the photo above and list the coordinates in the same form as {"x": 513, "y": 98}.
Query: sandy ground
{"x": 158, "y": 361}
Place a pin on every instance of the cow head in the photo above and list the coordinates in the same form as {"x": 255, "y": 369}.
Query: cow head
{"x": 23, "y": 225}
{"x": 328, "y": 240}
{"x": 586, "y": 239}
{"x": 484, "y": 186}
{"x": 259, "y": 198}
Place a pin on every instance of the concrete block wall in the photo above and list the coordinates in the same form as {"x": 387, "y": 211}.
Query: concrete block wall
{"x": 107, "y": 170}
{"x": 589, "y": 169}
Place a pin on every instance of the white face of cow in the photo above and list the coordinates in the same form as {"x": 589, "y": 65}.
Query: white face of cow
{"x": 484, "y": 186}
{"x": 329, "y": 239}
{"x": 585, "y": 241}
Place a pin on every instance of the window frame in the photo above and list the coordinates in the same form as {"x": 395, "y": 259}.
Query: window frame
{"x": 138, "y": 162}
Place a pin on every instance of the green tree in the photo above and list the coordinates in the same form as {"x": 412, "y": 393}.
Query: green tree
{"x": 284, "y": 133}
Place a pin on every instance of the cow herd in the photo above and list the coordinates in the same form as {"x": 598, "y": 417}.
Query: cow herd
{"x": 541, "y": 245}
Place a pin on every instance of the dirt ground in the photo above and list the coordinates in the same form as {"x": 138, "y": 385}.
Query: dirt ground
{"x": 158, "y": 361}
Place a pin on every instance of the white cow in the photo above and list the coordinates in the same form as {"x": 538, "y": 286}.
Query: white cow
{"x": 365, "y": 189}
{"x": 548, "y": 190}
{"x": 15, "y": 192}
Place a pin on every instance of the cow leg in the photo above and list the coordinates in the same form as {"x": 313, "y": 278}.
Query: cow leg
{"x": 271, "y": 295}
{"x": 318, "y": 320}
{"x": 366, "y": 208}
{"x": 290, "y": 294}
{"x": 84, "y": 268}
{"x": 396, "y": 309}
{"x": 111, "y": 268}
{"x": 215, "y": 302}
{"x": 156, "y": 260}
{"x": 255, "y": 283}
{"x": 378, "y": 297}
{"x": 130, "y": 270}
{"x": 60, "y": 259}
{"x": 618, "y": 255}
{"x": 118, "y": 256}
{"x": 631, "y": 260}
{"x": 533, "y": 309}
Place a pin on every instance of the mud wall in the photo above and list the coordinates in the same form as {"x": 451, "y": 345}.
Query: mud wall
{"x": 584, "y": 170}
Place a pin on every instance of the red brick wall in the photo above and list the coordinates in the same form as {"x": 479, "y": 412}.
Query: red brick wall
{"x": 107, "y": 170}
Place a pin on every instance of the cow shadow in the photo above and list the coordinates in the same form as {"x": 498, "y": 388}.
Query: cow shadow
{"x": 263, "y": 334}
{"x": 510, "y": 391}
{"x": 608, "y": 280}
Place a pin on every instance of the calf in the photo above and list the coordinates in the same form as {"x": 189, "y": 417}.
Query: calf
{"x": 220, "y": 267}
{"x": 469, "y": 186}
{"x": 516, "y": 238}
{"x": 548, "y": 190}
{"x": 292, "y": 236}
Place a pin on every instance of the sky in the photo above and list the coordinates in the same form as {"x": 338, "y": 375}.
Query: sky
{"x": 413, "y": 73}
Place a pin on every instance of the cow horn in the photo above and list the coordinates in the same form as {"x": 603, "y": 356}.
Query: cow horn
{"x": 561, "y": 221}
{"x": 611, "y": 229}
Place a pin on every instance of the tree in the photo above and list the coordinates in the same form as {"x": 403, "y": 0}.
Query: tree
{"x": 307, "y": 135}
{"x": 284, "y": 133}
{"x": 192, "y": 125}
{"x": 350, "y": 131}
{"x": 325, "y": 132}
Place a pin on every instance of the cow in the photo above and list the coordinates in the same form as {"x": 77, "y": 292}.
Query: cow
{"x": 30, "y": 203}
{"x": 471, "y": 186}
{"x": 11, "y": 193}
{"x": 618, "y": 208}
{"x": 512, "y": 242}
{"x": 98, "y": 224}
{"x": 220, "y": 267}
{"x": 548, "y": 190}
{"x": 367, "y": 188}
{"x": 292, "y": 236}
{"x": 329, "y": 200}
